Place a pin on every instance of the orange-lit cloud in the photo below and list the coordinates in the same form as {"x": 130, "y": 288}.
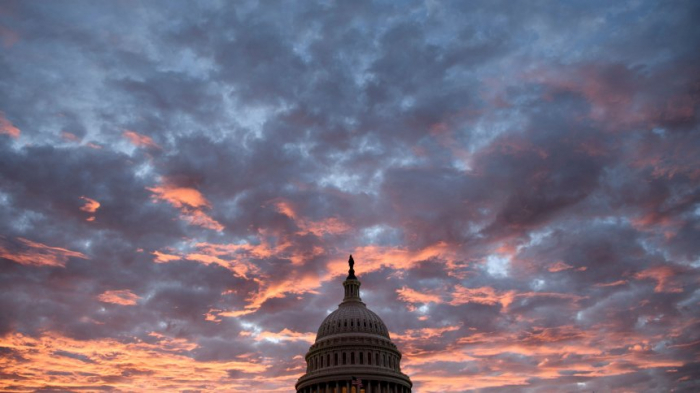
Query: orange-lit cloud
{"x": 331, "y": 225}
{"x": 278, "y": 289}
{"x": 231, "y": 314}
{"x": 559, "y": 266}
{"x": 235, "y": 257}
{"x": 27, "y": 252}
{"x": 564, "y": 349}
{"x": 191, "y": 203}
{"x": 490, "y": 296}
{"x": 7, "y": 128}
{"x": 423, "y": 334}
{"x": 483, "y": 295}
{"x": 286, "y": 209}
{"x": 122, "y": 297}
{"x": 199, "y": 218}
{"x": 238, "y": 258}
{"x": 139, "y": 140}
{"x": 159, "y": 365}
{"x": 163, "y": 257}
{"x": 90, "y": 206}
{"x": 240, "y": 267}
{"x": 664, "y": 276}
{"x": 412, "y": 296}
{"x": 69, "y": 136}
{"x": 375, "y": 257}
{"x": 612, "y": 284}
{"x": 180, "y": 197}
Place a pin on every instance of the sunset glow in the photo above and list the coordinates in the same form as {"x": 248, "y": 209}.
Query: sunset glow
{"x": 181, "y": 184}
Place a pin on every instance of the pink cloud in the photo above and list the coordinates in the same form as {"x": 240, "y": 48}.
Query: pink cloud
{"x": 122, "y": 297}
{"x": 90, "y": 206}
{"x": 139, "y": 140}
{"x": 665, "y": 278}
{"x": 7, "y": 128}
{"x": 412, "y": 296}
{"x": 559, "y": 266}
{"x": 152, "y": 365}
{"x": 27, "y": 252}
{"x": 191, "y": 203}
{"x": 330, "y": 225}
{"x": 69, "y": 136}
{"x": 164, "y": 258}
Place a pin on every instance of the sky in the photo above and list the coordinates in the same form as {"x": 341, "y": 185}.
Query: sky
{"x": 181, "y": 184}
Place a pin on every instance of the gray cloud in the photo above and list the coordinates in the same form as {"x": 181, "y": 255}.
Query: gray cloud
{"x": 529, "y": 170}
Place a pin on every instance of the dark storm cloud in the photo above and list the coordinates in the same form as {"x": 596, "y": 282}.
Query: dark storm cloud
{"x": 518, "y": 181}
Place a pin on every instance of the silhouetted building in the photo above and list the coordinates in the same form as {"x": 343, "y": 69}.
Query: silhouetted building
{"x": 353, "y": 352}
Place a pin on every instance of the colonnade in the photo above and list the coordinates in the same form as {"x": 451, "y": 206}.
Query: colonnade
{"x": 347, "y": 387}
{"x": 341, "y": 358}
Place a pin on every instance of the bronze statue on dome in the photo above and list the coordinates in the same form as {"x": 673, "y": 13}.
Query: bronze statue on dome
{"x": 351, "y": 272}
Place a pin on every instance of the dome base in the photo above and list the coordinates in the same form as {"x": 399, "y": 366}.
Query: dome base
{"x": 342, "y": 382}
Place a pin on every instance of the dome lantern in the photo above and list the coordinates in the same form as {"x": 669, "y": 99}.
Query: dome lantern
{"x": 352, "y": 285}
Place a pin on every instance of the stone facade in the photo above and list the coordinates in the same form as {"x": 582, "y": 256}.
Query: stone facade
{"x": 352, "y": 347}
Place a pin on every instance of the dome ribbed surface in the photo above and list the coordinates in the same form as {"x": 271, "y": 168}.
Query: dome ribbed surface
{"x": 352, "y": 317}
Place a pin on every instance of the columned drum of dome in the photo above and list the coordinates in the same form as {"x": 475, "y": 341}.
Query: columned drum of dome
{"x": 353, "y": 352}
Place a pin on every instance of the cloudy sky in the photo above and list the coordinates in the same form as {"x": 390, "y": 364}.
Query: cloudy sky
{"x": 181, "y": 185}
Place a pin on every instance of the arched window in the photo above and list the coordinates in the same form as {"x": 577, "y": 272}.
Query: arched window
{"x": 336, "y": 359}
{"x": 369, "y": 358}
{"x": 345, "y": 358}
{"x": 362, "y": 358}
{"x": 328, "y": 360}
{"x": 377, "y": 359}
{"x": 352, "y": 357}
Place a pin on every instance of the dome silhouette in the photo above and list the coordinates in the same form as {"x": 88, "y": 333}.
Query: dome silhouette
{"x": 353, "y": 352}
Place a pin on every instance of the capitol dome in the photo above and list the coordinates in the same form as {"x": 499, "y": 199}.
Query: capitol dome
{"x": 353, "y": 352}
